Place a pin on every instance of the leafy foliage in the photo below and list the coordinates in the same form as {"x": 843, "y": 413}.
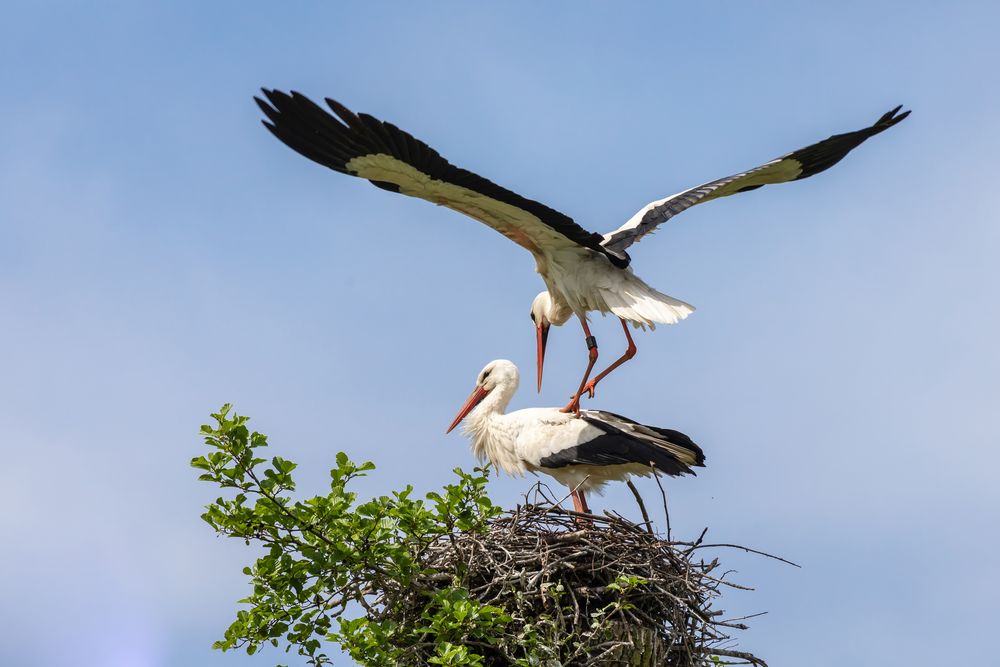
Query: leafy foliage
{"x": 330, "y": 555}
{"x": 389, "y": 579}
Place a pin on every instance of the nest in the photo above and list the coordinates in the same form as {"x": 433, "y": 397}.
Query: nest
{"x": 595, "y": 590}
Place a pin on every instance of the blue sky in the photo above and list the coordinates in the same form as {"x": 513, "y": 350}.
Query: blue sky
{"x": 160, "y": 254}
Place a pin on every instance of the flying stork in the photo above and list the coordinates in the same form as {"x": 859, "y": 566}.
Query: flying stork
{"x": 583, "y": 271}
{"x": 584, "y": 454}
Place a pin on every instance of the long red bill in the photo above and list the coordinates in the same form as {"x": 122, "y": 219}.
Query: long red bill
{"x": 475, "y": 397}
{"x": 542, "y": 336}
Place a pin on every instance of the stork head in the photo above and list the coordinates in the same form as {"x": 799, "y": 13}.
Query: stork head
{"x": 540, "y": 309}
{"x": 500, "y": 373}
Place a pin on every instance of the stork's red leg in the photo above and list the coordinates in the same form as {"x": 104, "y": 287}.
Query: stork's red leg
{"x": 574, "y": 404}
{"x": 629, "y": 353}
{"x": 579, "y": 504}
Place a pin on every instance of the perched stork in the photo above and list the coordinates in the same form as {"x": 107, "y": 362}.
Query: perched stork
{"x": 583, "y": 271}
{"x": 584, "y": 454}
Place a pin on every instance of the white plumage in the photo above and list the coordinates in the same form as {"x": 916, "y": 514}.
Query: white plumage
{"x": 583, "y": 453}
{"x": 583, "y": 271}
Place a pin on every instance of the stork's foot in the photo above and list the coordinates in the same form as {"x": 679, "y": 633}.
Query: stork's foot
{"x": 590, "y": 389}
{"x": 573, "y": 406}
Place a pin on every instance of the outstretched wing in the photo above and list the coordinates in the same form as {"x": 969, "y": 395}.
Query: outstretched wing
{"x": 797, "y": 165}
{"x": 361, "y": 145}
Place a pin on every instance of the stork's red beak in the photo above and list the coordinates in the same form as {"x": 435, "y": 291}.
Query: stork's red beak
{"x": 477, "y": 395}
{"x": 542, "y": 335}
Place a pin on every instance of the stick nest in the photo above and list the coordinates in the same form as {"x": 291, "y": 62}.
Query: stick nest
{"x": 607, "y": 591}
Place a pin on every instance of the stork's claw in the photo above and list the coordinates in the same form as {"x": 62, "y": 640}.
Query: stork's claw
{"x": 572, "y": 406}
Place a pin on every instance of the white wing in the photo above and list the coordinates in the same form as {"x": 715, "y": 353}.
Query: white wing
{"x": 797, "y": 165}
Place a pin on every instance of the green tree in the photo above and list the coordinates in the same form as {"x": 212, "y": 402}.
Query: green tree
{"x": 369, "y": 575}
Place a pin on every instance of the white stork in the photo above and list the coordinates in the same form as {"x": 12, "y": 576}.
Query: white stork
{"x": 583, "y": 271}
{"x": 584, "y": 454}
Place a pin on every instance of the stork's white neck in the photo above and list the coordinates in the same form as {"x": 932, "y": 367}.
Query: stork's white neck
{"x": 550, "y": 307}
{"x": 557, "y": 311}
{"x": 495, "y": 402}
{"x": 493, "y": 436}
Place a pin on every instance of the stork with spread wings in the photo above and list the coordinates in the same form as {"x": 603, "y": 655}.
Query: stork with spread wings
{"x": 583, "y": 271}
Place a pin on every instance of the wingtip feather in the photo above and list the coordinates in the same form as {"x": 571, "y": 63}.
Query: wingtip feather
{"x": 274, "y": 96}
{"x": 343, "y": 113}
{"x": 890, "y": 118}
{"x": 264, "y": 106}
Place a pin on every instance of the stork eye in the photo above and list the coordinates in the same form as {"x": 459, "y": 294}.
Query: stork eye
{"x": 532, "y": 316}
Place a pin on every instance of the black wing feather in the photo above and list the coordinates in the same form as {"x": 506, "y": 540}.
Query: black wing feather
{"x": 616, "y": 447}
{"x": 334, "y": 141}
{"x": 794, "y": 166}
{"x": 823, "y": 155}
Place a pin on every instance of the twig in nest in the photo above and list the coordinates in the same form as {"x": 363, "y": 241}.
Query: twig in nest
{"x": 663, "y": 493}
{"x": 642, "y": 505}
{"x": 602, "y": 593}
{"x": 747, "y": 549}
{"x": 747, "y": 658}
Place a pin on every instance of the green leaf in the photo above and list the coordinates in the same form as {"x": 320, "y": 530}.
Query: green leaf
{"x": 317, "y": 557}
